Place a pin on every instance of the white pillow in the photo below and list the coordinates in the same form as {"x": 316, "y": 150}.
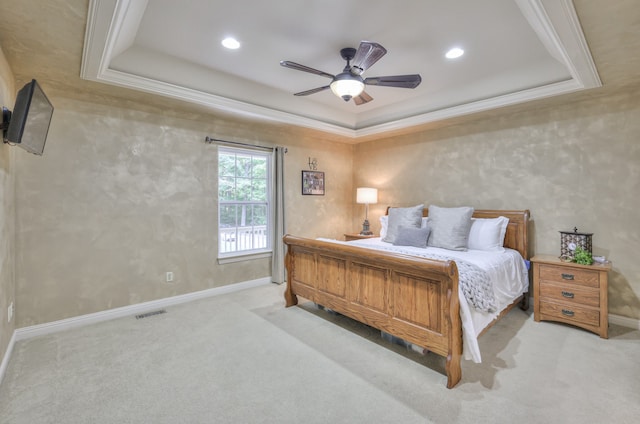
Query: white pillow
{"x": 384, "y": 224}
{"x": 488, "y": 234}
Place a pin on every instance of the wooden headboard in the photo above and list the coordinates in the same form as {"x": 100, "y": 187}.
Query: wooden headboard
{"x": 517, "y": 236}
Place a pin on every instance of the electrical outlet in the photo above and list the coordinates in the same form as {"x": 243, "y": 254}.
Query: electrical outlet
{"x": 169, "y": 276}
{"x": 10, "y": 312}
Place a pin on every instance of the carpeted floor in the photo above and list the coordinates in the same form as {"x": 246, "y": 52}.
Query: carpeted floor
{"x": 244, "y": 358}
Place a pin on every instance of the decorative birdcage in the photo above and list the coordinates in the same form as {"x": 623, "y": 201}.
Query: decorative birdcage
{"x": 570, "y": 240}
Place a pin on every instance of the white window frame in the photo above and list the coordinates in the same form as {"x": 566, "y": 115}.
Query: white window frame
{"x": 225, "y": 255}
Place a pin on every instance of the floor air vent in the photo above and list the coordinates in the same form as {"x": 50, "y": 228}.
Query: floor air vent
{"x": 150, "y": 314}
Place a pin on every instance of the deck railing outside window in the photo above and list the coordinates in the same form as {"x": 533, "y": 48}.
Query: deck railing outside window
{"x": 235, "y": 239}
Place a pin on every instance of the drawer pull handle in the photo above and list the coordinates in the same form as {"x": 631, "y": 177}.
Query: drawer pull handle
{"x": 567, "y": 276}
{"x": 568, "y": 295}
{"x": 568, "y": 312}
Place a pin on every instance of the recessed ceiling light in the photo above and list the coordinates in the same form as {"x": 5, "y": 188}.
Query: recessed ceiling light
{"x": 231, "y": 43}
{"x": 454, "y": 53}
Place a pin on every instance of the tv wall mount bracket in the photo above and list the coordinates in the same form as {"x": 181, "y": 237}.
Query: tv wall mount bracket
{"x": 4, "y": 125}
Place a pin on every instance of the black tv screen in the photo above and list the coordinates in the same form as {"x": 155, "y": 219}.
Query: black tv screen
{"x": 30, "y": 119}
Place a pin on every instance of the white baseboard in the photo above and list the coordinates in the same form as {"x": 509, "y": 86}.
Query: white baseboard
{"x": 7, "y": 355}
{"x": 624, "y": 321}
{"x": 82, "y": 320}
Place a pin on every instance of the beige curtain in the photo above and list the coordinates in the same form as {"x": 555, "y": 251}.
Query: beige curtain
{"x": 277, "y": 260}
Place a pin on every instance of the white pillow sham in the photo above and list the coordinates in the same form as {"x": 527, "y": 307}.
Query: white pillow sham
{"x": 488, "y": 233}
{"x": 384, "y": 223}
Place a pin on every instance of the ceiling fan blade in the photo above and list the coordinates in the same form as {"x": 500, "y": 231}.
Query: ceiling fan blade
{"x": 362, "y": 99}
{"x": 312, "y": 91}
{"x": 402, "y": 81}
{"x": 368, "y": 53}
{"x": 298, "y": 67}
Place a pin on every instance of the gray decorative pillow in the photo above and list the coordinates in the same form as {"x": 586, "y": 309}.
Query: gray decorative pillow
{"x": 402, "y": 217}
{"x": 449, "y": 227}
{"x": 410, "y": 236}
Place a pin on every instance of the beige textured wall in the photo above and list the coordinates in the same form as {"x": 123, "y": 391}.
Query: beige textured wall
{"x": 121, "y": 196}
{"x": 571, "y": 165}
{"x": 7, "y": 213}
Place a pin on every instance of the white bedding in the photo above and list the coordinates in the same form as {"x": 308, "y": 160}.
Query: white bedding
{"x": 508, "y": 273}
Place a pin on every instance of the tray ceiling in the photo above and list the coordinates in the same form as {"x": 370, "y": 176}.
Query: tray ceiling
{"x": 515, "y": 51}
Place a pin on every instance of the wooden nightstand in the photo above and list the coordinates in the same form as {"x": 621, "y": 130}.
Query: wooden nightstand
{"x": 357, "y": 236}
{"x": 571, "y": 293}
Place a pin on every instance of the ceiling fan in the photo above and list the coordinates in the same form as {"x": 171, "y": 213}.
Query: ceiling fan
{"x": 349, "y": 84}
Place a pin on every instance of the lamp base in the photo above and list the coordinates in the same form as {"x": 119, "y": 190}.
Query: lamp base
{"x": 365, "y": 229}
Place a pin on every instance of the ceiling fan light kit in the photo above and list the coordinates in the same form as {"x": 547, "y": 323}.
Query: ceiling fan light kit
{"x": 349, "y": 84}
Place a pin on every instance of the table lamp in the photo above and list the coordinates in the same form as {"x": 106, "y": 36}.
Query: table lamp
{"x": 367, "y": 196}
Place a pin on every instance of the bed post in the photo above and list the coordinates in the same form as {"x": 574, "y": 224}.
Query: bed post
{"x": 290, "y": 298}
{"x": 452, "y": 314}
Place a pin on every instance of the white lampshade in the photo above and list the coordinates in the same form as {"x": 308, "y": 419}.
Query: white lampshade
{"x": 367, "y": 195}
{"x": 347, "y": 88}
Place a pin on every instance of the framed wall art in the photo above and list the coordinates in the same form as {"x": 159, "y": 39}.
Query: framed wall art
{"x": 313, "y": 183}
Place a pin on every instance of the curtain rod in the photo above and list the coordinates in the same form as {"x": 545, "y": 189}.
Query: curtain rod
{"x": 210, "y": 140}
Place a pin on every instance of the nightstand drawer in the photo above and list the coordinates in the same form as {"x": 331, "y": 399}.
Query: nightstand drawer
{"x": 570, "y": 313}
{"x": 562, "y": 274}
{"x": 570, "y": 294}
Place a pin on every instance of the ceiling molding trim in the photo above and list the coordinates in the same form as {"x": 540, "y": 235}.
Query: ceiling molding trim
{"x": 125, "y": 34}
{"x": 224, "y": 104}
{"x": 537, "y": 93}
{"x": 582, "y": 60}
{"x": 558, "y": 28}
{"x": 115, "y": 28}
{"x": 95, "y": 38}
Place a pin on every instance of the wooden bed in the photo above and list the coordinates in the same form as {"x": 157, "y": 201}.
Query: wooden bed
{"x": 410, "y": 297}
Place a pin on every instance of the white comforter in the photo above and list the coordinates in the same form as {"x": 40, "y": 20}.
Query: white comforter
{"x": 507, "y": 271}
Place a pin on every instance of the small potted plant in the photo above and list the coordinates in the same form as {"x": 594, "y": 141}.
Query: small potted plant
{"x": 582, "y": 257}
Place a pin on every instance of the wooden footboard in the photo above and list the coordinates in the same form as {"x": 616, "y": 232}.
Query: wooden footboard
{"x": 410, "y": 297}
{"x": 413, "y": 298}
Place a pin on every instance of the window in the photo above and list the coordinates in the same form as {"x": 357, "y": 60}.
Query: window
{"x": 244, "y": 201}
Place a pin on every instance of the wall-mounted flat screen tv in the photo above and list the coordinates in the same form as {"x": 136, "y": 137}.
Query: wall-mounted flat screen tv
{"x": 29, "y": 122}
